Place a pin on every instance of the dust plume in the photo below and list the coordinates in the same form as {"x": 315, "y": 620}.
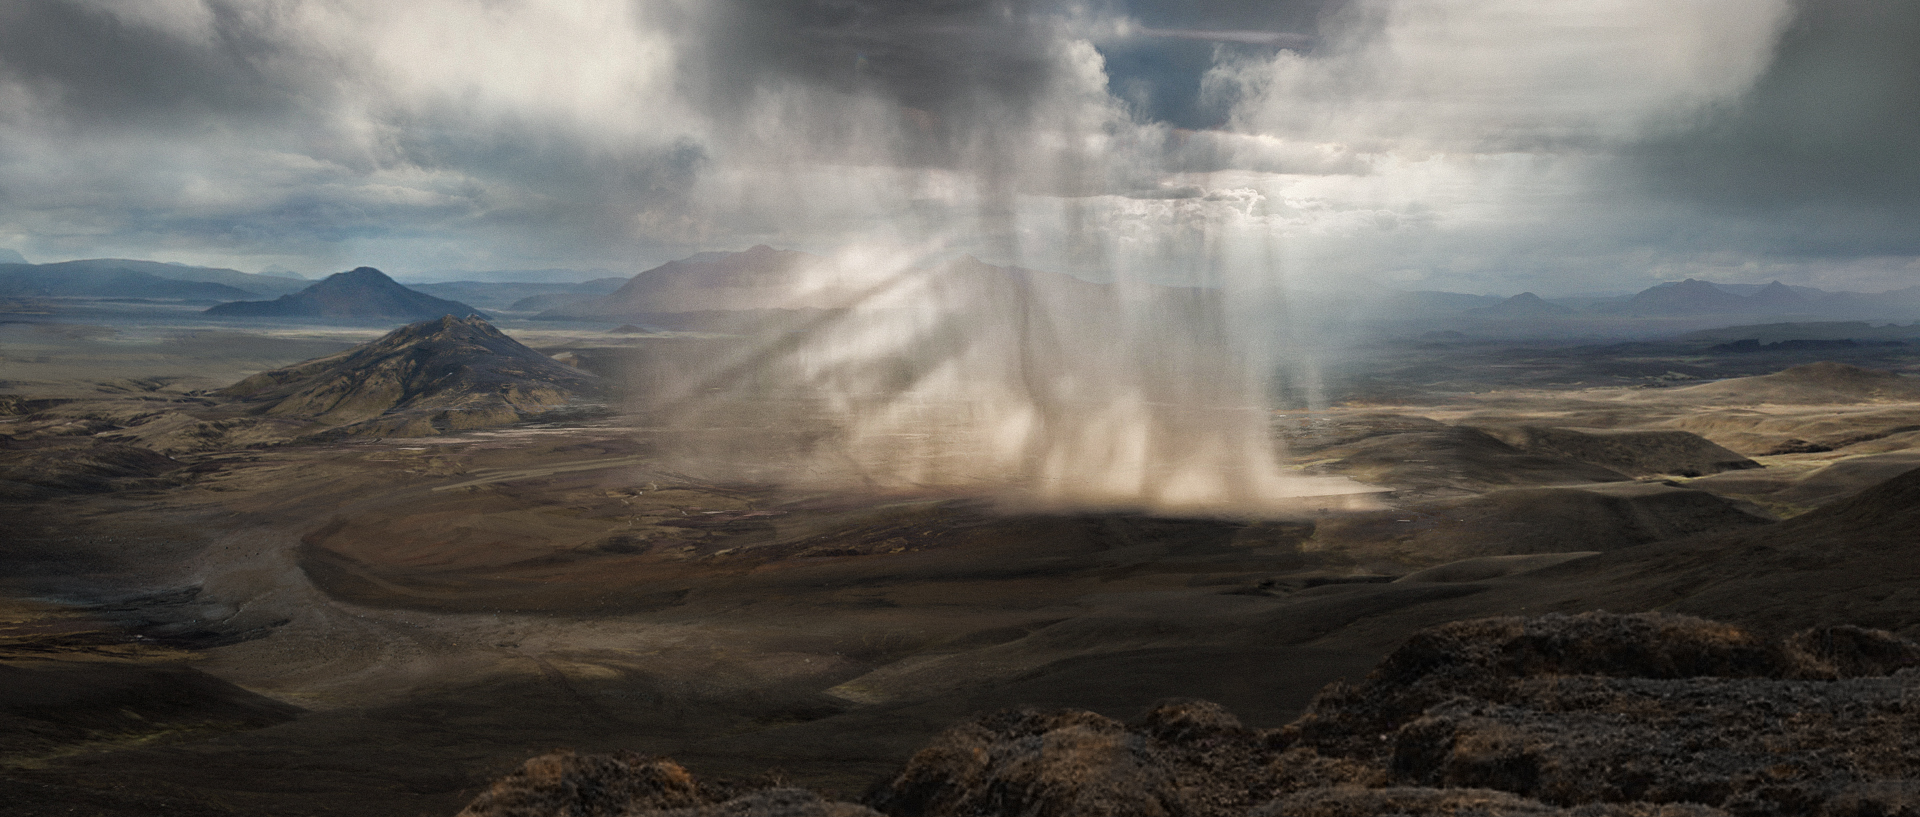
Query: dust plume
{"x": 1037, "y": 388}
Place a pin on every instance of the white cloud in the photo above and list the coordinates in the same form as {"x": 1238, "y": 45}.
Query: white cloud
{"x": 1479, "y": 130}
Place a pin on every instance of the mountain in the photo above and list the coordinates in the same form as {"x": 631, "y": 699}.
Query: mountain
{"x": 1524, "y": 306}
{"x": 8, "y": 256}
{"x": 421, "y": 379}
{"x": 1689, "y": 297}
{"x": 757, "y": 278}
{"x": 364, "y": 293}
{"x": 1780, "y": 299}
{"x": 766, "y": 280}
{"x": 1696, "y": 297}
{"x": 64, "y": 280}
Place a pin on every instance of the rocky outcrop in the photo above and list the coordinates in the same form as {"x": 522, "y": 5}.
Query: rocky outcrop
{"x": 1594, "y": 715}
{"x": 564, "y": 784}
{"x": 1186, "y": 758}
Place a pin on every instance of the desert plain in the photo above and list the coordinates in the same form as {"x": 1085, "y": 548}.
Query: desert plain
{"x": 210, "y": 610}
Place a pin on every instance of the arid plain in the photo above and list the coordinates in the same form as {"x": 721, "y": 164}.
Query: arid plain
{"x": 211, "y": 609}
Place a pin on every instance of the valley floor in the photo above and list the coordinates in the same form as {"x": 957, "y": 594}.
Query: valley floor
{"x": 383, "y": 626}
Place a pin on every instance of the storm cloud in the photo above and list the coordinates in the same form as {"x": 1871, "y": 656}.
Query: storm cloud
{"x": 1487, "y": 145}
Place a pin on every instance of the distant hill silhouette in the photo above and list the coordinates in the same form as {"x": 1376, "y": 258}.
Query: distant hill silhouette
{"x": 508, "y": 295}
{"x": 421, "y": 379}
{"x": 1689, "y": 297}
{"x": 61, "y": 280}
{"x": 732, "y": 290}
{"x": 515, "y": 276}
{"x": 256, "y": 285}
{"x": 1435, "y": 302}
{"x": 1778, "y": 297}
{"x": 1524, "y": 306}
{"x": 364, "y": 293}
{"x": 1696, "y": 297}
{"x": 757, "y": 278}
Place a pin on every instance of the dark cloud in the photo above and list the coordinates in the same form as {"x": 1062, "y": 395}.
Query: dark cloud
{"x": 956, "y": 65}
{"x": 962, "y": 65}
{"x": 106, "y": 73}
{"x": 1819, "y": 157}
{"x": 449, "y": 133}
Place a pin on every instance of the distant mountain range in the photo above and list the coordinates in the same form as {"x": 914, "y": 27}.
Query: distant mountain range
{"x": 723, "y": 290}
{"x": 125, "y": 278}
{"x": 364, "y": 293}
{"x": 1695, "y": 297}
{"x": 1694, "y": 301}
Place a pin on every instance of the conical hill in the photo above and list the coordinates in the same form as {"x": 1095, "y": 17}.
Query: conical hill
{"x": 440, "y": 375}
{"x": 364, "y": 293}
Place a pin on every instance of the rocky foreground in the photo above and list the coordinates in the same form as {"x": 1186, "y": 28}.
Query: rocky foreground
{"x": 1594, "y": 715}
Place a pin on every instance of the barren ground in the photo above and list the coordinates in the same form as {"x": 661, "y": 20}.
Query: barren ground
{"x": 380, "y": 627}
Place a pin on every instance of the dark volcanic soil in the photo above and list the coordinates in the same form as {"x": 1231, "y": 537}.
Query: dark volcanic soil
{"x": 1597, "y": 714}
{"x": 386, "y": 627}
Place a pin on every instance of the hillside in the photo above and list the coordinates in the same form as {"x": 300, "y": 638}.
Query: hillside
{"x": 426, "y": 378}
{"x": 1824, "y": 382}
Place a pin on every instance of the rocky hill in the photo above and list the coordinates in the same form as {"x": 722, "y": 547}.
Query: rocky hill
{"x": 430, "y": 377}
{"x": 364, "y": 293}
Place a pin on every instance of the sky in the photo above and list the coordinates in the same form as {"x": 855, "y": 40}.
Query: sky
{"x": 1487, "y": 146}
